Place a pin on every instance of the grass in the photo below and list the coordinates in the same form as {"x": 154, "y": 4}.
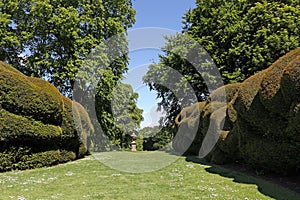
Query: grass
{"x": 97, "y": 177}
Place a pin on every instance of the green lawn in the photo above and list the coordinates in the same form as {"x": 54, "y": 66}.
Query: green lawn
{"x": 168, "y": 177}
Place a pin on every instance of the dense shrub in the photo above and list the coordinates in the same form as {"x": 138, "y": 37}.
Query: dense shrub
{"x": 139, "y": 143}
{"x": 275, "y": 81}
{"x": 260, "y": 122}
{"x": 22, "y": 130}
{"x": 76, "y": 128}
{"x": 156, "y": 138}
{"x": 26, "y": 158}
{"x": 38, "y": 126}
{"x": 30, "y": 97}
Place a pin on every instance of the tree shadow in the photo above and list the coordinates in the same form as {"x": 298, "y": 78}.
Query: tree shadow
{"x": 268, "y": 188}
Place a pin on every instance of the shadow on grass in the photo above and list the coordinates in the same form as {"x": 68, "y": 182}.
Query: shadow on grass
{"x": 265, "y": 187}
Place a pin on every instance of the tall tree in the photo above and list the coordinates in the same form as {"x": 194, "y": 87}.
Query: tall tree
{"x": 121, "y": 117}
{"x": 55, "y": 36}
{"x": 177, "y": 81}
{"x": 10, "y": 45}
{"x": 244, "y": 36}
{"x": 241, "y": 36}
{"x": 127, "y": 115}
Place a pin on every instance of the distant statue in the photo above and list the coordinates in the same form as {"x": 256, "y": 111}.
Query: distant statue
{"x": 133, "y": 143}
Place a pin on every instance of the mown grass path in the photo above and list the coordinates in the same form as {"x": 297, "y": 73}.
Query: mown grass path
{"x": 89, "y": 178}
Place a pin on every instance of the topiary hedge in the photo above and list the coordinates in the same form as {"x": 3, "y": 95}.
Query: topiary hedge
{"x": 17, "y": 130}
{"x": 38, "y": 126}
{"x": 29, "y": 97}
{"x": 257, "y": 124}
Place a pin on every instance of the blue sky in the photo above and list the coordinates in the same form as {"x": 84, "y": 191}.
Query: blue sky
{"x": 165, "y": 14}
{"x": 161, "y": 13}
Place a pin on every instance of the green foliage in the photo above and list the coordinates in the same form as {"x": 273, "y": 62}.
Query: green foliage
{"x": 26, "y": 158}
{"x": 148, "y": 131}
{"x": 66, "y": 156}
{"x": 76, "y": 127}
{"x": 117, "y": 111}
{"x": 139, "y": 143}
{"x": 29, "y": 96}
{"x": 38, "y": 126}
{"x": 258, "y": 126}
{"x": 156, "y": 138}
{"x": 16, "y": 129}
{"x": 179, "y": 77}
{"x": 41, "y": 159}
{"x": 271, "y": 153}
{"x": 242, "y": 37}
{"x": 54, "y": 37}
{"x": 70, "y": 140}
{"x": 10, "y": 46}
{"x": 127, "y": 115}
{"x": 290, "y": 88}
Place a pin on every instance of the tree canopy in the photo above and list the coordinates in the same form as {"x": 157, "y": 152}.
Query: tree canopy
{"x": 241, "y": 36}
{"x": 51, "y": 38}
{"x": 244, "y": 36}
{"x": 118, "y": 113}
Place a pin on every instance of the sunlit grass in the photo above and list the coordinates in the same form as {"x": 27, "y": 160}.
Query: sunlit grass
{"x": 89, "y": 178}
{"x": 138, "y": 162}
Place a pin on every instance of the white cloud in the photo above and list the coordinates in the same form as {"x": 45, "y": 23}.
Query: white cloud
{"x": 151, "y": 117}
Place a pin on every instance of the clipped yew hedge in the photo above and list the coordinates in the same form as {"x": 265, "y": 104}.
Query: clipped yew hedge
{"x": 29, "y": 97}
{"x": 257, "y": 121}
{"x": 38, "y": 126}
{"x": 76, "y": 127}
{"x": 15, "y": 129}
